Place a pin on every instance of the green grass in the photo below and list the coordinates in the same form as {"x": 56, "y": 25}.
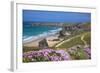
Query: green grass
{"x": 87, "y": 25}
{"x": 76, "y": 41}
{"x": 79, "y": 54}
{"x": 70, "y": 36}
{"x": 72, "y": 42}
{"x": 27, "y": 49}
{"x": 87, "y": 38}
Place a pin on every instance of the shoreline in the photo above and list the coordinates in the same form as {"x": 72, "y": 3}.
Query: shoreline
{"x": 50, "y": 41}
{"x": 42, "y": 35}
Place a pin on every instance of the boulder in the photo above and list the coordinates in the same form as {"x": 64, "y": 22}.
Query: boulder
{"x": 61, "y": 34}
{"x": 43, "y": 44}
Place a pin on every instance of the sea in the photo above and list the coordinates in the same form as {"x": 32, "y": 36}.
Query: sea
{"x": 32, "y": 33}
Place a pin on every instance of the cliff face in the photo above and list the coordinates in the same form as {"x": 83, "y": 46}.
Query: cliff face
{"x": 86, "y": 27}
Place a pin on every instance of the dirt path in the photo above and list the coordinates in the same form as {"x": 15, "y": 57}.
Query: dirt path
{"x": 66, "y": 40}
{"x": 82, "y": 38}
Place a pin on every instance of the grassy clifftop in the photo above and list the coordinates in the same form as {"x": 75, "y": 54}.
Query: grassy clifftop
{"x": 75, "y": 40}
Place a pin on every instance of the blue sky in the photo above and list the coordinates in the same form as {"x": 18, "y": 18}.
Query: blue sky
{"x": 53, "y": 16}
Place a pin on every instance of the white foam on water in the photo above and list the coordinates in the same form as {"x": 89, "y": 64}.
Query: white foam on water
{"x": 27, "y": 39}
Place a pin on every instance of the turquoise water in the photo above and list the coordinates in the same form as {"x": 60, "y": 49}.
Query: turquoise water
{"x": 34, "y": 32}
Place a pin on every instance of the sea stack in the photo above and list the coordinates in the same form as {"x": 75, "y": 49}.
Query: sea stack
{"x": 43, "y": 44}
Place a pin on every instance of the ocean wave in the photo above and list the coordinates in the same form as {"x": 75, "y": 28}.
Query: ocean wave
{"x": 27, "y": 39}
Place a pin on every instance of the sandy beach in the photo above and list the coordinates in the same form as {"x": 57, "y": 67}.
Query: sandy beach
{"x": 50, "y": 41}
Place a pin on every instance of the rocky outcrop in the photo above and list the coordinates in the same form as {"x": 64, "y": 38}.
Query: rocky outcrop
{"x": 43, "y": 44}
{"x": 61, "y": 34}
